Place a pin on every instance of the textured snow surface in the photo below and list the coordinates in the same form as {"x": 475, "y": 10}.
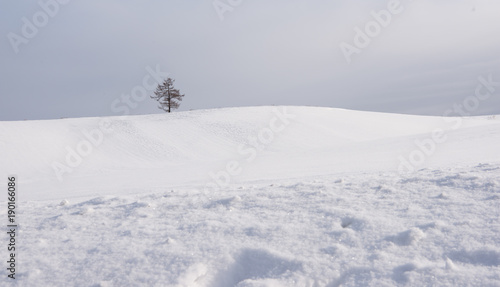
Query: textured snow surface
{"x": 322, "y": 204}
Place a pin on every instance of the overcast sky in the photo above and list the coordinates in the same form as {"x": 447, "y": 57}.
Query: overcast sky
{"x": 85, "y": 58}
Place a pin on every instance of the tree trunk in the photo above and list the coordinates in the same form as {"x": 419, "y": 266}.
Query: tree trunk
{"x": 169, "y": 100}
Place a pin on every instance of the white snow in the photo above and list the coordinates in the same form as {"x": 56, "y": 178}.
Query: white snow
{"x": 263, "y": 196}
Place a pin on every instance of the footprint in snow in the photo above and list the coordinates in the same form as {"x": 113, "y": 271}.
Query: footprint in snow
{"x": 252, "y": 265}
{"x": 407, "y": 238}
{"x": 227, "y": 202}
{"x": 400, "y": 273}
{"x": 483, "y": 257}
{"x": 353, "y": 223}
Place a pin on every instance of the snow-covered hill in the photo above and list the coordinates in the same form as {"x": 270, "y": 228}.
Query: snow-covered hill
{"x": 263, "y": 196}
{"x": 62, "y": 158}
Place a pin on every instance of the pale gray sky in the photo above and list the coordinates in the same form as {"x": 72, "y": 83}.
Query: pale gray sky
{"x": 82, "y": 56}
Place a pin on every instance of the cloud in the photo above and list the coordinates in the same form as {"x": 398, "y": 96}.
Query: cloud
{"x": 280, "y": 52}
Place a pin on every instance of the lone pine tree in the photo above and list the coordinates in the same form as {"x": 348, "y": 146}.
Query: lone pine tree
{"x": 167, "y": 96}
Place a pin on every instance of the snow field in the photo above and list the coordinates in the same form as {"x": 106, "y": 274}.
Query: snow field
{"x": 436, "y": 227}
{"x": 317, "y": 199}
